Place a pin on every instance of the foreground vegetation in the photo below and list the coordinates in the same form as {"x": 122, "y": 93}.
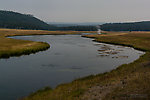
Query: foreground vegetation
{"x": 127, "y": 82}
{"x": 12, "y": 47}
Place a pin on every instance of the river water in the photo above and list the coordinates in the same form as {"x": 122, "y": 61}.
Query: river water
{"x": 69, "y": 57}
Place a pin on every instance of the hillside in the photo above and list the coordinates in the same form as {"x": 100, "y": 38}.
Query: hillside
{"x": 135, "y": 26}
{"x": 14, "y": 20}
{"x": 9, "y": 19}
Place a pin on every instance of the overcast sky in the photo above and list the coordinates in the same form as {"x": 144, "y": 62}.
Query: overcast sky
{"x": 82, "y": 10}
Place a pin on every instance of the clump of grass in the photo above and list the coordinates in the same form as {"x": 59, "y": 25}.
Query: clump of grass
{"x": 45, "y": 89}
{"x": 40, "y": 46}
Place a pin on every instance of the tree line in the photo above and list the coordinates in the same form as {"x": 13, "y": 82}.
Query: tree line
{"x": 135, "y": 26}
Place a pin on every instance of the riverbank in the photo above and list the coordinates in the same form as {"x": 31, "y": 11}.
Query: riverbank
{"x": 12, "y": 47}
{"x": 129, "y": 81}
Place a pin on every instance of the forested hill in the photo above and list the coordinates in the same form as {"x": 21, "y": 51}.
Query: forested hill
{"x": 135, "y": 26}
{"x": 9, "y": 19}
{"x": 14, "y": 20}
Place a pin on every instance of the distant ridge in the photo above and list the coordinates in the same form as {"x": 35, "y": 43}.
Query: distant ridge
{"x": 10, "y": 19}
{"x": 67, "y": 24}
{"x": 132, "y": 26}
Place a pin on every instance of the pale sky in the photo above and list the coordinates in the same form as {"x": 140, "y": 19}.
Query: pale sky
{"x": 82, "y": 10}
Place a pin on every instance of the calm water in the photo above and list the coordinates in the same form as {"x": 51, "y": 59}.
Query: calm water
{"x": 69, "y": 57}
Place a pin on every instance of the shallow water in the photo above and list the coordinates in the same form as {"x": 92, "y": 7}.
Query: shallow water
{"x": 70, "y": 57}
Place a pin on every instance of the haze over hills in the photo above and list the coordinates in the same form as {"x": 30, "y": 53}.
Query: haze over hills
{"x": 64, "y": 24}
{"x": 15, "y": 20}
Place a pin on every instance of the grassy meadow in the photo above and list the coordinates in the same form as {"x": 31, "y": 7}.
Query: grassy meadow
{"x": 127, "y": 82}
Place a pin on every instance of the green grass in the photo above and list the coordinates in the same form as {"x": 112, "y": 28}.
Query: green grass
{"x": 136, "y": 75}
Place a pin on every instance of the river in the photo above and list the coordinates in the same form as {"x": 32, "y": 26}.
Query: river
{"x": 69, "y": 57}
